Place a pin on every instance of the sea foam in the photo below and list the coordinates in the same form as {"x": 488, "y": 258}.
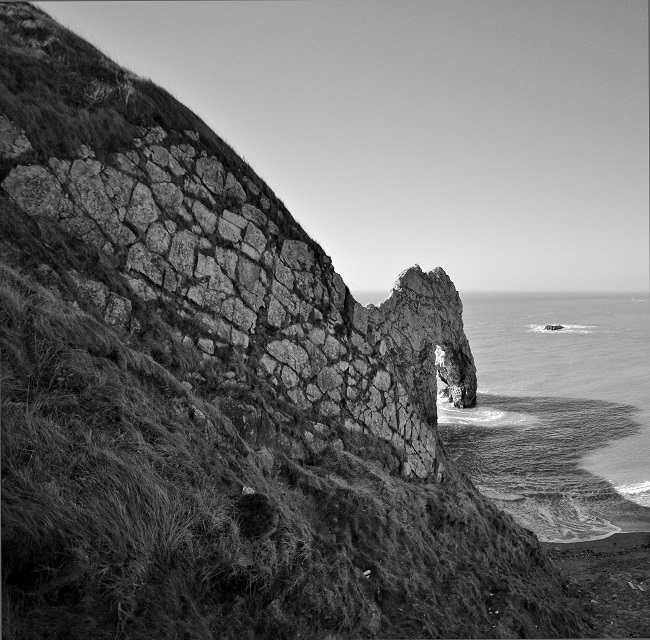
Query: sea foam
{"x": 477, "y": 415}
{"x": 559, "y": 520}
{"x": 638, "y": 492}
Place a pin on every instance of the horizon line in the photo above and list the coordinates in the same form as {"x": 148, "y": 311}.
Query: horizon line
{"x": 357, "y": 290}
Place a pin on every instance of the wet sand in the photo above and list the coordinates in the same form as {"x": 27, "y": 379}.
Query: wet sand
{"x": 609, "y": 580}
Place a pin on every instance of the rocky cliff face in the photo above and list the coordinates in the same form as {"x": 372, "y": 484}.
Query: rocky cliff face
{"x": 183, "y": 231}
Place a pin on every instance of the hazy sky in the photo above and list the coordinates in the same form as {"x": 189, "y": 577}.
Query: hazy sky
{"x": 506, "y": 141}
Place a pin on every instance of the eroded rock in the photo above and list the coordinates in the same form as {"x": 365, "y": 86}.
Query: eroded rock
{"x": 13, "y": 141}
{"x": 34, "y": 189}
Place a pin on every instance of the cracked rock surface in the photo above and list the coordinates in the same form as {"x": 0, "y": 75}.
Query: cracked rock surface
{"x": 184, "y": 231}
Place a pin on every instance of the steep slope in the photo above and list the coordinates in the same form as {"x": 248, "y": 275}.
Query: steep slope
{"x": 203, "y": 432}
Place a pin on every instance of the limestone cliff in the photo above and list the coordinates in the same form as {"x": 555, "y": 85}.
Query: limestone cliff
{"x": 204, "y": 435}
{"x": 181, "y": 230}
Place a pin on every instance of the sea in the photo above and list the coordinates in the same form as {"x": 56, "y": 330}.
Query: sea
{"x": 560, "y": 434}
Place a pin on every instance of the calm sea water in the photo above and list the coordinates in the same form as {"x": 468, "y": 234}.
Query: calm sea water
{"x": 560, "y": 436}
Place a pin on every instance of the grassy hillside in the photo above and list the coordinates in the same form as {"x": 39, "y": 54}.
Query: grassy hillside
{"x": 123, "y": 514}
{"x": 132, "y": 504}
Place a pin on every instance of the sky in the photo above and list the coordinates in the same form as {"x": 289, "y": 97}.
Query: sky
{"x": 505, "y": 141}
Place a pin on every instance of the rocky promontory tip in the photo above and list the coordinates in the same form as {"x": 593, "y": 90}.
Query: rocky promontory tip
{"x": 427, "y": 312}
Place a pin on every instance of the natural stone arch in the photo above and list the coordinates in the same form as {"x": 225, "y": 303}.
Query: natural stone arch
{"x": 422, "y": 320}
{"x": 453, "y": 368}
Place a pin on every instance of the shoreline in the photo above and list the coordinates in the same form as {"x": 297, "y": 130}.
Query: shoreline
{"x": 615, "y": 541}
{"x": 609, "y": 581}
